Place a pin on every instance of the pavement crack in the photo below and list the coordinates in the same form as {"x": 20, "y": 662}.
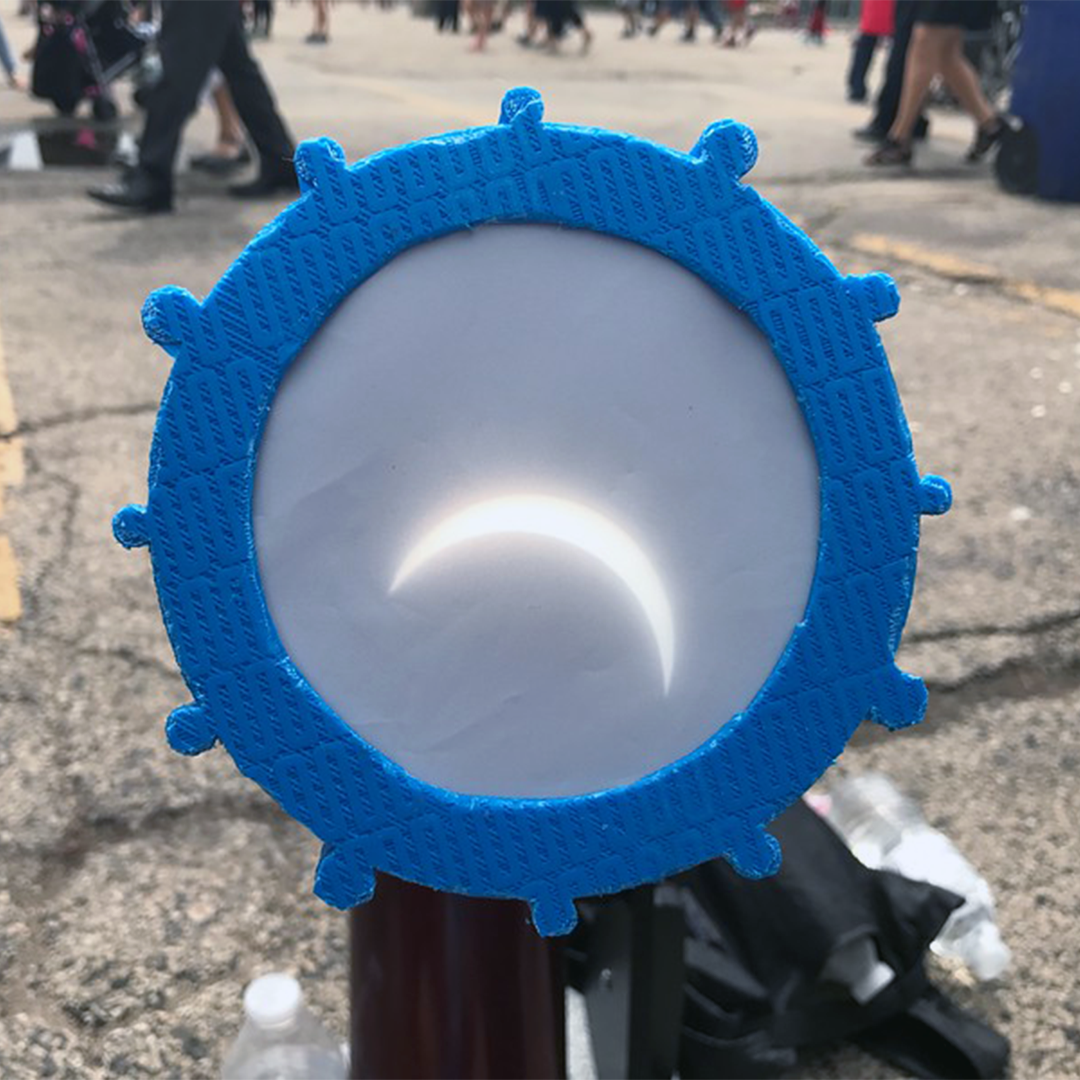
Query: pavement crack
{"x": 817, "y": 223}
{"x": 126, "y": 655}
{"x": 1016, "y": 679}
{"x": 21, "y": 698}
{"x": 79, "y": 416}
{"x": 89, "y": 832}
{"x": 68, "y": 511}
{"x": 1023, "y": 629}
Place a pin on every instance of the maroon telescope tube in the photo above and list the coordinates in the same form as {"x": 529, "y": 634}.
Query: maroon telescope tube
{"x": 448, "y": 986}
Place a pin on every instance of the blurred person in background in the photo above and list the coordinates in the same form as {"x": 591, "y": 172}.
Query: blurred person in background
{"x": 691, "y": 12}
{"x": 875, "y": 24}
{"x": 888, "y": 99}
{"x": 262, "y": 18}
{"x": 557, "y": 15}
{"x": 815, "y": 28}
{"x": 230, "y": 151}
{"x": 195, "y": 38}
{"x": 937, "y": 48}
{"x": 740, "y": 29}
{"x": 320, "y": 31}
{"x": 447, "y": 15}
{"x": 481, "y": 15}
{"x": 527, "y": 38}
{"x": 7, "y": 62}
{"x": 631, "y": 13}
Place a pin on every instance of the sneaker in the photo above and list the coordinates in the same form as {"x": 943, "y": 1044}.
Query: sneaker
{"x": 986, "y": 138}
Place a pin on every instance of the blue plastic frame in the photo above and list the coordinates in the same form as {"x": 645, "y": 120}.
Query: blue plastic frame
{"x": 230, "y": 353}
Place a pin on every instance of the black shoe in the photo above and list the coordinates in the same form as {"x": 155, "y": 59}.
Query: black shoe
{"x": 135, "y": 191}
{"x": 274, "y": 177}
{"x": 870, "y": 133}
{"x": 221, "y": 164}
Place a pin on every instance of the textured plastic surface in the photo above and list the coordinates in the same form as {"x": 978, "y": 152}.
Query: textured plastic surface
{"x": 230, "y": 353}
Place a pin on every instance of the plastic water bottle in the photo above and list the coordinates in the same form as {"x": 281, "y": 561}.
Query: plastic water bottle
{"x": 886, "y": 830}
{"x": 280, "y": 1039}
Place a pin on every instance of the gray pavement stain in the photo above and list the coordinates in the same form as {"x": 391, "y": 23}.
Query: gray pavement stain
{"x": 139, "y": 890}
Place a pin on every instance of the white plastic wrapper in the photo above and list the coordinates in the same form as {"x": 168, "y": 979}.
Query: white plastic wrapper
{"x": 536, "y": 511}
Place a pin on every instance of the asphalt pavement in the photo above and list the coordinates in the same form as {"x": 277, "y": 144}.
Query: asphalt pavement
{"x": 139, "y": 891}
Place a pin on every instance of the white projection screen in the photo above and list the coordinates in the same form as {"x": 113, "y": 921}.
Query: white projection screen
{"x": 536, "y": 511}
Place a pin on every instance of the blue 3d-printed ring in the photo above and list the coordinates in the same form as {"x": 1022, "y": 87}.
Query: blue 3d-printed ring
{"x": 230, "y": 353}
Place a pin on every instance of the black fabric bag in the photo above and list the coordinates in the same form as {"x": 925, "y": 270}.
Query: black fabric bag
{"x": 761, "y": 965}
{"x": 59, "y": 72}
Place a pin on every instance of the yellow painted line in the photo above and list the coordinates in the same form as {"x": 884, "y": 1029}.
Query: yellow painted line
{"x": 1066, "y": 301}
{"x": 12, "y": 471}
{"x": 939, "y": 262}
{"x": 426, "y": 103}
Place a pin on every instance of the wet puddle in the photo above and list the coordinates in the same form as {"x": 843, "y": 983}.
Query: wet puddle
{"x": 71, "y": 145}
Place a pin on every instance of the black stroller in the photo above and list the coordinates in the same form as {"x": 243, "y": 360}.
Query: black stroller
{"x": 993, "y": 53}
{"x": 83, "y": 47}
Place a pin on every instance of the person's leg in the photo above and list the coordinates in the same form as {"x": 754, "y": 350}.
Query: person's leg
{"x": 862, "y": 53}
{"x": 663, "y": 14}
{"x": 230, "y": 130}
{"x": 7, "y": 61}
{"x": 230, "y": 152}
{"x": 190, "y": 40}
{"x": 532, "y": 23}
{"x": 554, "y": 16}
{"x": 888, "y": 101}
{"x": 737, "y": 26}
{"x": 575, "y": 17}
{"x": 690, "y": 21}
{"x": 265, "y": 8}
{"x": 191, "y": 37}
{"x": 710, "y": 13}
{"x": 483, "y": 12}
{"x": 961, "y": 79}
{"x": 320, "y": 31}
{"x": 925, "y": 58}
{"x": 256, "y": 108}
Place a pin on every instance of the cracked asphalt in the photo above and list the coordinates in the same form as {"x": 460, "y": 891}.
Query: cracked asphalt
{"x": 139, "y": 891}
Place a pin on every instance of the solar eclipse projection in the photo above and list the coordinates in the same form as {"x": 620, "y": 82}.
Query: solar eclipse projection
{"x": 532, "y": 511}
